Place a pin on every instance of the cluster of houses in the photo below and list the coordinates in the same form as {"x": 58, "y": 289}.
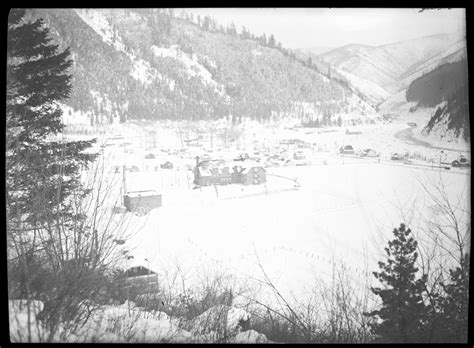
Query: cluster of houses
{"x": 208, "y": 172}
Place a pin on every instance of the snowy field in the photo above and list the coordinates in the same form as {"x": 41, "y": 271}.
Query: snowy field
{"x": 342, "y": 214}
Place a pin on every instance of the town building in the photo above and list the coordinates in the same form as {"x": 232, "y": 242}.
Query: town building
{"x": 142, "y": 201}
{"x": 209, "y": 172}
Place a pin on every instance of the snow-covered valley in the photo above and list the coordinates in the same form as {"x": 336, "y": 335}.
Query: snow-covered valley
{"x": 181, "y": 181}
{"x": 342, "y": 211}
{"x": 338, "y": 216}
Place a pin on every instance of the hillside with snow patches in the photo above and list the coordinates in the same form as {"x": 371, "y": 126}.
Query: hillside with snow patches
{"x": 147, "y": 64}
{"x": 451, "y": 54}
{"x": 387, "y": 73}
{"x": 445, "y": 123}
{"x": 374, "y": 92}
{"x": 446, "y": 86}
{"x": 393, "y": 66}
{"x": 135, "y": 64}
{"x": 371, "y": 63}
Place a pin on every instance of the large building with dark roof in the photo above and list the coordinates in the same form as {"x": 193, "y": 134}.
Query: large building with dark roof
{"x": 210, "y": 172}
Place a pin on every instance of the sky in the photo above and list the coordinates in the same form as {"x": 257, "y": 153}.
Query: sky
{"x": 331, "y": 28}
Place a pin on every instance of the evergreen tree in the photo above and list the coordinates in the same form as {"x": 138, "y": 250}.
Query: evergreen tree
{"x": 245, "y": 33}
{"x": 42, "y": 174}
{"x": 454, "y": 306}
{"x": 271, "y": 41}
{"x": 326, "y": 118}
{"x": 206, "y": 24}
{"x": 329, "y": 119}
{"x": 213, "y": 24}
{"x": 231, "y": 30}
{"x": 403, "y": 316}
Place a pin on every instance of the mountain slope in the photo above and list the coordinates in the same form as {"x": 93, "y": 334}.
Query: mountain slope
{"x": 447, "y": 88}
{"x": 149, "y": 64}
{"x": 391, "y": 66}
{"x": 450, "y": 119}
{"x": 438, "y": 85}
{"x": 453, "y": 53}
{"x": 366, "y": 90}
{"x": 373, "y": 92}
{"x": 317, "y": 50}
{"x": 371, "y": 63}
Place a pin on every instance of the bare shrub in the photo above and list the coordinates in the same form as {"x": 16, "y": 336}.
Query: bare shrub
{"x": 333, "y": 313}
{"x": 66, "y": 262}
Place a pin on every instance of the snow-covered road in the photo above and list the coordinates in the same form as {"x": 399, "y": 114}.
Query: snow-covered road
{"x": 406, "y": 135}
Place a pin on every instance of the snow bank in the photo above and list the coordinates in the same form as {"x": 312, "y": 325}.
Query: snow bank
{"x": 219, "y": 318}
{"x": 250, "y": 336}
{"x": 127, "y": 323}
{"x": 18, "y": 318}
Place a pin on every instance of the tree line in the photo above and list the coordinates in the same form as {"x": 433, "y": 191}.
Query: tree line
{"x": 209, "y": 24}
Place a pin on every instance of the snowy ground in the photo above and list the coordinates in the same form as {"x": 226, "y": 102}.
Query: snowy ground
{"x": 127, "y": 323}
{"x": 342, "y": 214}
{"x": 339, "y": 215}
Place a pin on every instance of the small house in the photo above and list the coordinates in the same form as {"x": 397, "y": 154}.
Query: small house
{"x": 203, "y": 176}
{"x": 141, "y": 283}
{"x": 348, "y": 132}
{"x": 208, "y": 173}
{"x": 299, "y": 155}
{"x": 347, "y": 149}
{"x": 142, "y": 200}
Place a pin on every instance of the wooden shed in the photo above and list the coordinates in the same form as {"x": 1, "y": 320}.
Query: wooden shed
{"x": 142, "y": 201}
{"x": 140, "y": 281}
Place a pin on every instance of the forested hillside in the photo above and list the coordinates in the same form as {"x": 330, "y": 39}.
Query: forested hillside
{"x": 447, "y": 85}
{"x": 153, "y": 64}
{"x": 452, "y": 117}
{"x": 438, "y": 85}
{"x": 454, "y": 53}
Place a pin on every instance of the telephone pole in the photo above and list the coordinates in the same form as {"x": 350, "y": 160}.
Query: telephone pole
{"x": 124, "y": 183}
